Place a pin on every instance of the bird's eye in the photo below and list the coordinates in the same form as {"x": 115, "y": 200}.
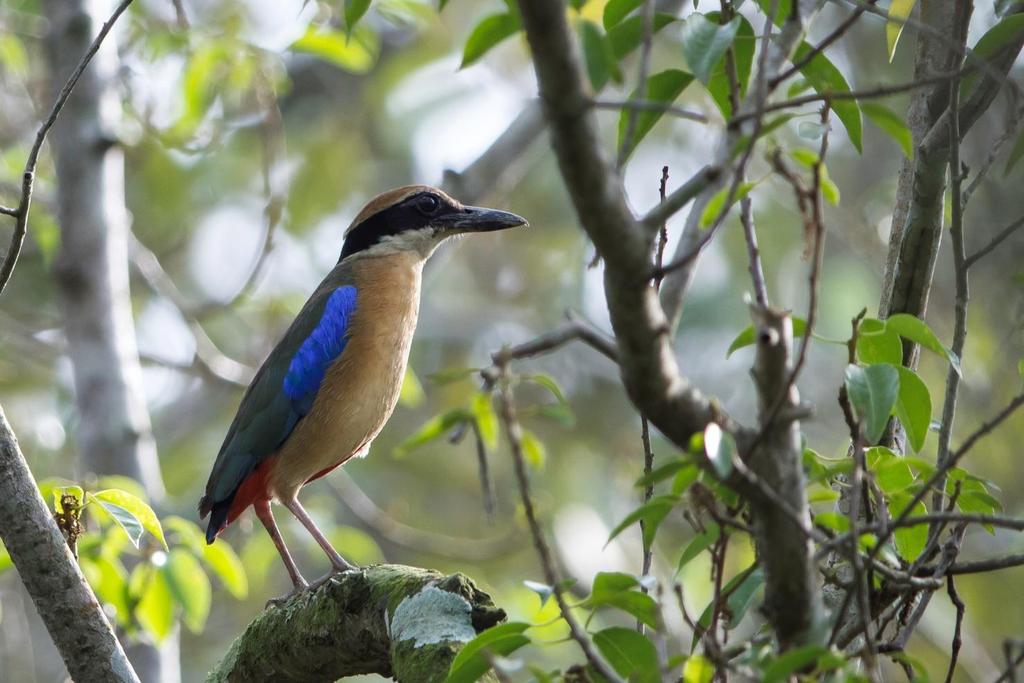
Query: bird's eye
{"x": 428, "y": 204}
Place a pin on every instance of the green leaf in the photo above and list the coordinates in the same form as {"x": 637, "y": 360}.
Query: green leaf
{"x": 411, "y": 394}
{"x": 190, "y": 587}
{"x": 872, "y": 391}
{"x": 878, "y": 344}
{"x": 352, "y": 53}
{"x": 223, "y": 562}
{"x": 746, "y": 337}
{"x": 597, "y": 56}
{"x": 910, "y": 541}
{"x": 5, "y": 559}
{"x": 1007, "y": 31}
{"x": 488, "y": 33}
{"x": 899, "y": 10}
{"x": 617, "y": 10}
{"x": 891, "y": 124}
{"x": 630, "y": 653}
{"x": 633, "y": 602}
{"x": 662, "y": 87}
{"x": 792, "y": 662}
{"x": 716, "y": 204}
{"x": 913, "y": 328}
{"x": 131, "y": 512}
{"x": 155, "y": 611}
{"x": 720, "y": 449}
{"x": 741, "y": 591}
{"x": 486, "y": 418}
{"x": 913, "y": 407}
{"x": 706, "y": 42}
{"x": 470, "y": 664}
{"x": 892, "y": 472}
{"x": 832, "y": 520}
{"x": 627, "y": 35}
{"x": 824, "y": 77}
{"x": 652, "y": 513}
{"x": 533, "y": 449}
{"x": 548, "y": 383}
{"x": 697, "y": 545}
{"x": 662, "y": 472}
{"x": 685, "y": 478}
{"x": 698, "y": 669}
{"x": 433, "y": 429}
{"x": 743, "y": 53}
{"x": 608, "y": 584}
{"x": 354, "y": 11}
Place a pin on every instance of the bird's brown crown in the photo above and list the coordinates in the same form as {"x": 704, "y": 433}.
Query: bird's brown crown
{"x": 385, "y": 200}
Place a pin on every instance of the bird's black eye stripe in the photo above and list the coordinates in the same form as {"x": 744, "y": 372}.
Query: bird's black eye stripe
{"x": 428, "y": 204}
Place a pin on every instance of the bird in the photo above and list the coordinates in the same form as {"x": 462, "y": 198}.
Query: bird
{"x": 327, "y": 389}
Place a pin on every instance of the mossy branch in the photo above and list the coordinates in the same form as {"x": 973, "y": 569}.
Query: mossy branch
{"x": 391, "y": 620}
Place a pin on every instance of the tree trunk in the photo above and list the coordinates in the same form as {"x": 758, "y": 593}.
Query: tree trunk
{"x": 91, "y": 270}
{"x": 51, "y": 575}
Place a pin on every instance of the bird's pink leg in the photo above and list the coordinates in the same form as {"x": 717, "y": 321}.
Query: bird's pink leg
{"x": 262, "y": 508}
{"x": 337, "y": 561}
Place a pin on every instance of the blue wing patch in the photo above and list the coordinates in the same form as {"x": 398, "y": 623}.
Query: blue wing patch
{"x": 324, "y": 344}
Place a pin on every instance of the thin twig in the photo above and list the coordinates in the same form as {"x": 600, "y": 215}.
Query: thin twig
{"x": 680, "y": 197}
{"x": 515, "y": 437}
{"x": 28, "y": 178}
{"x": 641, "y": 87}
{"x": 832, "y": 37}
{"x": 833, "y": 96}
{"x": 957, "y": 641}
{"x": 651, "y": 105}
{"x": 574, "y": 330}
{"x": 956, "y": 230}
{"x": 754, "y": 265}
{"x": 995, "y": 242}
{"x": 984, "y": 430}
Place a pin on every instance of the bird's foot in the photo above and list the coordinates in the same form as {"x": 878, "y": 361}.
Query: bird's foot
{"x": 335, "y": 571}
{"x": 299, "y": 587}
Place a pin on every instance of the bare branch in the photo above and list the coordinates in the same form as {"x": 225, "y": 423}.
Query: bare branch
{"x": 28, "y": 177}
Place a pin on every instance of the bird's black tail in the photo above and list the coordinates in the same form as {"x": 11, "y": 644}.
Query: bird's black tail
{"x": 218, "y": 516}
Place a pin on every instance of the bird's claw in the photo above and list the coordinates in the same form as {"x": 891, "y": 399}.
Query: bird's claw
{"x": 296, "y": 590}
{"x": 344, "y": 569}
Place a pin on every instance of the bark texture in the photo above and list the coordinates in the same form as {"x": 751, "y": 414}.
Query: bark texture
{"x": 391, "y": 620}
{"x": 62, "y": 596}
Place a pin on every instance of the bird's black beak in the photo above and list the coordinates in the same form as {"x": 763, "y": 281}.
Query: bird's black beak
{"x": 480, "y": 219}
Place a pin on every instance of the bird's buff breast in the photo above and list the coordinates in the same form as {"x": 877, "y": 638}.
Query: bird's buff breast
{"x": 361, "y": 388}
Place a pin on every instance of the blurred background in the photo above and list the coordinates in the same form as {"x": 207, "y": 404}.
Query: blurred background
{"x": 253, "y": 133}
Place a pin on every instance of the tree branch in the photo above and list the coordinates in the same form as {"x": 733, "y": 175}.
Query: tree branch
{"x": 396, "y": 621}
{"x": 61, "y": 595}
{"x": 28, "y": 177}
